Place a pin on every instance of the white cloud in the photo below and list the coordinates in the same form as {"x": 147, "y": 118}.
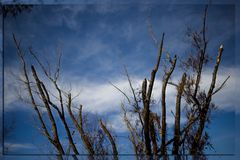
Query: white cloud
{"x": 104, "y": 99}
{"x": 100, "y": 98}
{"x": 10, "y": 88}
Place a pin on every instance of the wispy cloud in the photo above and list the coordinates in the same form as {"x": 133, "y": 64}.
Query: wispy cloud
{"x": 18, "y": 146}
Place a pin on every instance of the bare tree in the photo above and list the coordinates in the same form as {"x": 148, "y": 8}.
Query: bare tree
{"x": 57, "y": 106}
{"x": 191, "y": 137}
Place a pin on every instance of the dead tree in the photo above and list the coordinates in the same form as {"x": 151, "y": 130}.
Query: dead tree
{"x": 53, "y": 139}
{"x": 190, "y": 137}
{"x": 60, "y": 105}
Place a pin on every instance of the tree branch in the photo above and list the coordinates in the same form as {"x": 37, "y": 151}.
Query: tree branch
{"x": 111, "y": 139}
{"x": 164, "y": 86}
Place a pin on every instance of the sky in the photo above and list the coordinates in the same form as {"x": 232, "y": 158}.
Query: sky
{"x": 97, "y": 41}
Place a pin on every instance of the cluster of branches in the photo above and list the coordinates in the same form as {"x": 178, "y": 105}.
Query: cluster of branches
{"x": 14, "y": 10}
{"x": 57, "y": 103}
{"x": 148, "y": 131}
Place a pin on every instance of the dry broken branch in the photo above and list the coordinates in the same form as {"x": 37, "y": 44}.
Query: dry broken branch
{"x": 164, "y": 86}
{"x": 111, "y": 139}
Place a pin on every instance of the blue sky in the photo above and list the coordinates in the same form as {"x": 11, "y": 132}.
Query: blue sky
{"x": 98, "y": 40}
